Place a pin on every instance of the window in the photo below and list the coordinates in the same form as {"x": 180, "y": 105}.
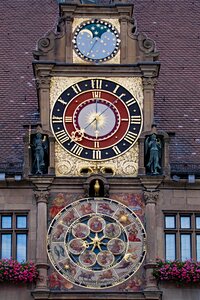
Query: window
{"x": 13, "y": 236}
{"x": 182, "y": 236}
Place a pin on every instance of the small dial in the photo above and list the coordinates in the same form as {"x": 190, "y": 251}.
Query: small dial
{"x": 96, "y": 119}
{"x": 96, "y": 40}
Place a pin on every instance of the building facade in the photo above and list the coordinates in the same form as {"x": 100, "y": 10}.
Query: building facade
{"x": 99, "y": 174}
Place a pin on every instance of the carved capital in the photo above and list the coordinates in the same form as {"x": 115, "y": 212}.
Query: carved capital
{"x": 43, "y": 82}
{"x": 151, "y": 196}
{"x": 149, "y": 83}
{"x": 41, "y": 196}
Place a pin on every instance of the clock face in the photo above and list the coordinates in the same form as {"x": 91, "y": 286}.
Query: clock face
{"x": 96, "y": 40}
{"x": 96, "y": 243}
{"x": 96, "y": 119}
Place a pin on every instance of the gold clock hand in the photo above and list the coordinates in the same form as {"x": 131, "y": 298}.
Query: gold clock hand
{"x": 97, "y": 116}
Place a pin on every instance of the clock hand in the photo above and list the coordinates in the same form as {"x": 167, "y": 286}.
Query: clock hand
{"x": 106, "y": 108}
{"x": 92, "y": 46}
{"x": 95, "y": 119}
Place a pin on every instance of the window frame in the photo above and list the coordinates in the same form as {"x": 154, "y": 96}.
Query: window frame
{"x": 178, "y": 231}
{"x": 14, "y": 231}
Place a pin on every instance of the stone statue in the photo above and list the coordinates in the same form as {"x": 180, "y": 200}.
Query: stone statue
{"x": 153, "y": 154}
{"x": 39, "y": 146}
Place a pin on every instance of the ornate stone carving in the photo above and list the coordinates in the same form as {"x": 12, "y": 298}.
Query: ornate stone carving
{"x": 43, "y": 82}
{"x": 151, "y": 196}
{"x": 149, "y": 83}
{"x": 146, "y": 45}
{"x": 132, "y": 25}
{"x": 124, "y": 165}
{"x": 41, "y": 196}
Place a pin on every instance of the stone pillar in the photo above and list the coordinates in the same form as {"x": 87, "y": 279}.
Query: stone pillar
{"x": 41, "y": 253}
{"x": 43, "y": 79}
{"x": 69, "y": 47}
{"x": 123, "y": 36}
{"x": 151, "y": 197}
{"x": 148, "y": 88}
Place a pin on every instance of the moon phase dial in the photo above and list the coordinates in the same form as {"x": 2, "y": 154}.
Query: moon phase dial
{"x": 96, "y": 243}
{"x": 96, "y": 119}
{"x": 96, "y": 40}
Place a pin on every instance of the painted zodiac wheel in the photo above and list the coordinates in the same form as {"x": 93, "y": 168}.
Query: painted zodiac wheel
{"x": 96, "y": 243}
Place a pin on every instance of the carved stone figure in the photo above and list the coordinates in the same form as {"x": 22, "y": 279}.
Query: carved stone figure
{"x": 39, "y": 146}
{"x": 153, "y": 154}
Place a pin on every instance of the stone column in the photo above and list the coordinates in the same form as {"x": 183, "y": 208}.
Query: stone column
{"x": 43, "y": 79}
{"x": 151, "y": 197}
{"x": 123, "y": 32}
{"x": 41, "y": 253}
{"x": 69, "y": 48}
{"x": 148, "y": 88}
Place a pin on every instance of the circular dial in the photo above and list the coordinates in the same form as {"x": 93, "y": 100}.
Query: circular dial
{"x": 96, "y": 40}
{"x": 96, "y": 119}
{"x": 96, "y": 243}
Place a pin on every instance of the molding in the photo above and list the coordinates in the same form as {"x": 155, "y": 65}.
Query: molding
{"x": 151, "y": 183}
{"x": 141, "y": 69}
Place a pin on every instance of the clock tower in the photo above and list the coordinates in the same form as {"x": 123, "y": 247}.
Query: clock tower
{"x": 95, "y": 79}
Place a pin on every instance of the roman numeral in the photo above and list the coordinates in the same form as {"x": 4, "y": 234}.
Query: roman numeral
{"x": 130, "y": 137}
{"x": 116, "y": 88}
{"x": 76, "y": 149}
{"x": 76, "y": 88}
{"x": 62, "y": 136}
{"x": 96, "y": 84}
{"x": 96, "y": 144}
{"x": 61, "y": 101}
{"x": 135, "y": 119}
{"x": 56, "y": 119}
{"x": 96, "y": 154}
{"x": 115, "y": 91}
{"x": 96, "y": 94}
{"x": 68, "y": 119}
{"x": 116, "y": 150}
{"x": 130, "y": 102}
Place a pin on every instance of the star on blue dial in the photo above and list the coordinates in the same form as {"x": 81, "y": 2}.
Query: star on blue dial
{"x": 96, "y": 40}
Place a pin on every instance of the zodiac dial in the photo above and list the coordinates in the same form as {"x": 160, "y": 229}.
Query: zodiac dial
{"x": 96, "y": 119}
{"x": 96, "y": 243}
{"x": 96, "y": 40}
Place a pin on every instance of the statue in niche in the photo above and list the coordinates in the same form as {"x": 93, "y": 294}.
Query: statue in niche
{"x": 40, "y": 154}
{"x": 153, "y": 151}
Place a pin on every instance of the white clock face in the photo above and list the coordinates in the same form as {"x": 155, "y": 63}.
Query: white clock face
{"x": 96, "y": 40}
{"x": 99, "y": 118}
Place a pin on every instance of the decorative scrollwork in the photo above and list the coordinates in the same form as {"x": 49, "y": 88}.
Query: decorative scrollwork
{"x": 43, "y": 43}
{"x": 146, "y": 45}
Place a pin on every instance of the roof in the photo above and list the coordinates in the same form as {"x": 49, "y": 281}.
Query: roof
{"x": 173, "y": 25}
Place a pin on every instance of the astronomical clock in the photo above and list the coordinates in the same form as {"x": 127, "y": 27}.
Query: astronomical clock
{"x": 94, "y": 108}
{"x": 96, "y": 243}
